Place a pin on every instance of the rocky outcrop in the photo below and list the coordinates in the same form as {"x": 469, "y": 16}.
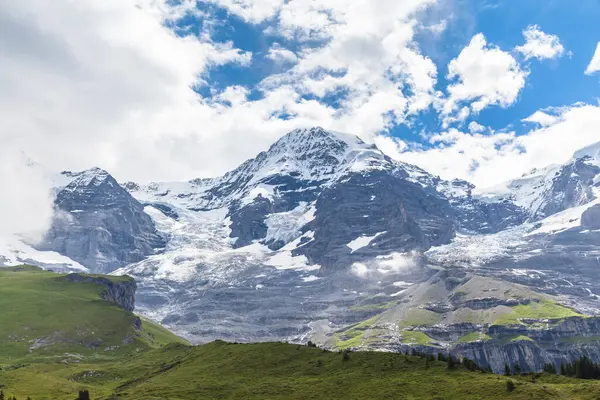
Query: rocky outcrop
{"x": 491, "y": 302}
{"x": 529, "y": 347}
{"x": 572, "y": 186}
{"x": 400, "y": 215}
{"x": 550, "y": 330}
{"x": 495, "y": 355}
{"x": 591, "y": 218}
{"x": 476, "y": 216}
{"x": 100, "y": 225}
{"x": 528, "y": 355}
{"x": 248, "y": 222}
{"x": 450, "y": 333}
{"x": 120, "y": 291}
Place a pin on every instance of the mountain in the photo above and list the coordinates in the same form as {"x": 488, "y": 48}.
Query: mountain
{"x": 556, "y": 188}
{"x": 99, "y": 224}
{"x": 324, "y": 237}
{"x": 327, "y": 189}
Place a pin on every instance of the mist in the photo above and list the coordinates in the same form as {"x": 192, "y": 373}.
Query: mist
{"x": 26, "y": 204}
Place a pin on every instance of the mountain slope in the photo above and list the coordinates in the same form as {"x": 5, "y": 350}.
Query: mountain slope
{"x": 322, "y": 232}
{"x": 248, "y": 245}
{"x": 100, "y": 225}
{"x": 556, "y": 188}
{"x": 308, "y": 177}
{"x": 52, "y": 317}
{"x": 60, "y": 337}
{"x": 278, "y": 371}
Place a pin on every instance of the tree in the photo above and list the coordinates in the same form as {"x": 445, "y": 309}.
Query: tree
{"x": 550, "y": 368}
{"x": 510, "y": 385}
{"x": 470, "y": 364}
{"x": 451, "y": 362}
{"x": 345, "y": 357}
{"x": 578, "y": 369}
{"x": 83, "y": 395}
{"x": 1, "y": 395}
{"x": 507, "y": 370}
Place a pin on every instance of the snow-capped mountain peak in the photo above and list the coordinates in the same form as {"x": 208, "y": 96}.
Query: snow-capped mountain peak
{"x": 313, "y": 154}
{"x": 93, "y": 176}
{"x": 547, "y": 191}
{"x": 72, "y": 180}
{"x": 591, "y": 152}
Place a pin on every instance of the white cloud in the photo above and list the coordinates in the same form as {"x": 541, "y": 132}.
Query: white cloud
{"x": 489, "y": 159}
{"x": 106, "y": 83}
{"x": 594, "y": 65}
{"x": 540, "y": 45}
{"x": 383, "y": 266}
{"x": 474, "y": 127}
{"x": 439, "y": 28}
{"x": 96, "y": 83}
{"x": 360, "y": 270}
{"x": 485, "y": 76}
{"x": 109, "y": 84}
{"x": 255, "y": 11}
{"x": 281, "y": 55}
{"x": 369, "y": 57}
{"x": 542, "y": 118}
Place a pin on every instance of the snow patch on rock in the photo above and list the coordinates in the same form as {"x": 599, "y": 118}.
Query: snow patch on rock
{"x": 362, "y": 241}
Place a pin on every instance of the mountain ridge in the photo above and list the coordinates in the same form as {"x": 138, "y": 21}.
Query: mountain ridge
{"x": 321, "y": 231}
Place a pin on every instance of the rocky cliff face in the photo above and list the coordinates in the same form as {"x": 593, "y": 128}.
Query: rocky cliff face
{"x": 590, "y": 219}
{"x": 532, "y": 348}
{"x": 399, "y": 216}
{"x": 572, "y": 186}
{"x": 120, "y": 291}
{"x": 556, "y": 188}
{"x": 100, "y": 225}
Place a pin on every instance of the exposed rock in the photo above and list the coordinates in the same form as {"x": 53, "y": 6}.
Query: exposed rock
{"x": 491, "y": 302}
{"x": 477, "y": 216}
{"x": 404, "y": 217}
{"x": 100, "y": 225}
{"x": 450, "y": 333}
{"x": 137, "y": 324}
{"x": 248, "y": 222}
{"x": 121, "y": 293}
{"x": 495, "y": 355}
{"x": 571, "y": 187}
{"x": 591, "y": 218}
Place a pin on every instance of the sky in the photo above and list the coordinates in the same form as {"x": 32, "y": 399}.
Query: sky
{"x": 155, "y": 90}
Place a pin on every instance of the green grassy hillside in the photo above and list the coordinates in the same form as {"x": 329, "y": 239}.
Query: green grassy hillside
{"x": 58, "y": 337}
{"x": 278, "y": 371}
{"x": 46, "y": 317}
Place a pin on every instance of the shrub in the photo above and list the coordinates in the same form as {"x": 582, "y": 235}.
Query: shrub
{"x": 510, "y": 385}
{"x": 346, "y": 355}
